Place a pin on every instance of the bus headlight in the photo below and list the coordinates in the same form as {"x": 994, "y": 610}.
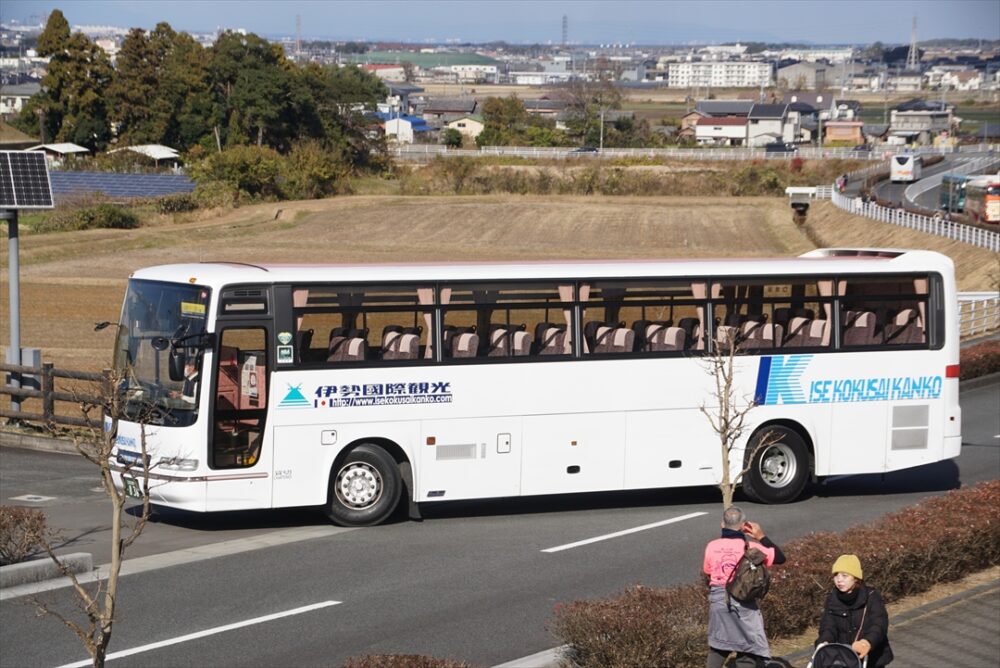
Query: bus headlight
{"x": 177, "y": 464}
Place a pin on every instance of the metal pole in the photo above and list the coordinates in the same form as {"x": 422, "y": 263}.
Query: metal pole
{"x": 14, "y": 270}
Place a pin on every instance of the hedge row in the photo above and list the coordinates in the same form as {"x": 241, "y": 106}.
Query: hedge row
{"x": 21, "y": 533}
{"x": 939, "y": 540}
{"x": 980, "y": 360}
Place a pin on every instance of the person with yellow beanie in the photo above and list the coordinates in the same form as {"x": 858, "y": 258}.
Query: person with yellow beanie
{"x": 854, "y": 614}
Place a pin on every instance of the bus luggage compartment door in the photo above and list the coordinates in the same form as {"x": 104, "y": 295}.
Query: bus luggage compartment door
{"x": 469, "y": 458}
{"x": 573, "y": 453}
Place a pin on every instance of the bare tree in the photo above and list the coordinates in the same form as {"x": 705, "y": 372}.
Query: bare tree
{"x": 96, "y": 443}
{"x": 728, "y": 413}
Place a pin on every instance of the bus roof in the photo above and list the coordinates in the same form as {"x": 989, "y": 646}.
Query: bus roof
{"x": 820, "y": 261}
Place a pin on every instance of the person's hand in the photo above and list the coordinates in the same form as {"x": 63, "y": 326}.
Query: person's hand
{"x": 861, "y": 648}
{"x": 753, "y": 529}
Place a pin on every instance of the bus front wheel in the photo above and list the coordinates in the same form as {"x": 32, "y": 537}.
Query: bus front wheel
{"x": 365, "y": 488}
{"x": 779, "y": 466}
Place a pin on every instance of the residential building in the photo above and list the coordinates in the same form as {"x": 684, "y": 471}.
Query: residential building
{"x": 768, "y": 123}
{"x": 843, "y": 133}
{"x": 14, "y": 97}
{"x": 476, "y": 73}
{"x": 404, "y": 129}
{"x": 469, "y": 126}
{"x": 717, "y": 108}
{"x": 906, "y": 82}
{"x": 723, "y": 131}
{"x": 919, "y": 121}
{"x": 803, "y": 76}
{"x": 56, "y": 154}
{"x": 447, "y": 109}
{"x": 966, "y": 80}
{"x": 726, "y": 74}
{"x": 545, "y": 107}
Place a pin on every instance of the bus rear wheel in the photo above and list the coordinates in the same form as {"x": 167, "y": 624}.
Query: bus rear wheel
{"x": 365, "y": 488}
{"x": 779, "y": 469}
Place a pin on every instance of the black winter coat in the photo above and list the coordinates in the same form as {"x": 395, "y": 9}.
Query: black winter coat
{"x": 839, "y": 623}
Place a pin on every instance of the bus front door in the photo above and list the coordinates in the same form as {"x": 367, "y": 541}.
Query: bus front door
{"x": 241, "y": 460}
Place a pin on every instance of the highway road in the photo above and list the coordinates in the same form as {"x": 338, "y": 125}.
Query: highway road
{"x": 475, "y": 581}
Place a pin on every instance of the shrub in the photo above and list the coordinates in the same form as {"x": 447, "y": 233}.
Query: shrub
{"x": 107, "y": 216}
{"x": 959, "y": 533}
{"x": 401, "y": 661}
{"x": 250, "y": 172}
{"x": 21, "y": 533}
{"x": 312, "y": 172}
{"x": 179, "y": 203}
{"x": 980, "y": 360}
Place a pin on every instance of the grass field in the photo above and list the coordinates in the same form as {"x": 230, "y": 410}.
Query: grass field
{"x": 70, "y": 280}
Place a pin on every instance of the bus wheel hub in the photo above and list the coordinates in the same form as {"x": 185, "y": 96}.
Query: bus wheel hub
{"x": 358, "y": 485}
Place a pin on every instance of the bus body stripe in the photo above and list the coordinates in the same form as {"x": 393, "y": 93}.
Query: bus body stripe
{"x": 763, "y": 375}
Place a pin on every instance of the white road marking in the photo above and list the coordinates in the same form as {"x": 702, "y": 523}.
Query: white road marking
{"x": 33, "y": 498}
{"x": 616, "y": 534}
{"x": 206, "y": 632}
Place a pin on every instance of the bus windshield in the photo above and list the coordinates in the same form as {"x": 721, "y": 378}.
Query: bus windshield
{"x": 160, "y": 321}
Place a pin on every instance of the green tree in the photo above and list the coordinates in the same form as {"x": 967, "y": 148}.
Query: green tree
{"x": 251, "y": 82}
{"x": 136, "y": 91}
{"x": 589, "y": 102}
{"x": 74, "y": 89}
{"x": 504, "y": 121}
{"x": 249, "y": 172}
{"x": 451, "y": 138}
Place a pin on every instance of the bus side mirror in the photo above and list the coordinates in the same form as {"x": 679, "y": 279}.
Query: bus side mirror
{"x": 175, "y": 364}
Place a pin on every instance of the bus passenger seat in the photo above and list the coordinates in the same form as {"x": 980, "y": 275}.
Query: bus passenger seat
{"x": 798, "y": 333}
{"x": 764, "y": 337}
{"x": 520, "y": 343}
{"x": 613, "y": 340}
{"x": 400, "y": 346}
{"x": 817, "y": 330}
{"x": 465, "y": 344}
{"x": 347, "y": 348}
{"x": 692, "y": 331}
{"x": 499, "y": 342}
{"x": 859, "y": 329}
{"x": 905, "y": 328}
{"x": 660, "y": 338}
{"x": 550, "y": 339}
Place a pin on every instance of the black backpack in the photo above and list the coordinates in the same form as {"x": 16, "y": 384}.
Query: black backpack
{"x": 750, "y": 580}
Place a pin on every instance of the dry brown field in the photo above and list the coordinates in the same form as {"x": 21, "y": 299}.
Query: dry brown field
{"x": 71, "y": 280}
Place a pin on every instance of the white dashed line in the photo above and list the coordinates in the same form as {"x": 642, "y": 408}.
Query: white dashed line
{"x": 616, "y": 534}
{"x": 206, "y": 632}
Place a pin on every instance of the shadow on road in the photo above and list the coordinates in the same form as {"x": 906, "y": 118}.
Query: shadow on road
{"x": 937, "y": 477}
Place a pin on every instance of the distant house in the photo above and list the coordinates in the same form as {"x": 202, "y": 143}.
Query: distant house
{"x": 847, "y": 133}
{"x": 545, "y": 107}
{"x": 919, "y": 121}
{"x": 404, "y": 128}
{"x": 13, "y": 97}
{"x": 447, "y": 109}
{"x": 906, "y": 82}
{"x": 387, "y": 72}
{"x": 723, "y": 131}
{"x": 965, "y": 80}
{"x": 469, "y": 126}
{"x": 766, "y": 123}
{"x": 156, "y": 152}
{"x": 803, "y": 76}
{"x": 721, "y": 108}
{"x": 56, "y": 154}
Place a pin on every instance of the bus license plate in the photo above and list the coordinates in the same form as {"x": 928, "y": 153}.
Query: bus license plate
{"x": 131, "y": 487}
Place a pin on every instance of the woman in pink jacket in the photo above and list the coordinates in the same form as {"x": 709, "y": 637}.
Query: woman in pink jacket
{"x": 734, "y": 626}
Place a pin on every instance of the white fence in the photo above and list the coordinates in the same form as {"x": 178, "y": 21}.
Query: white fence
{"x": 427, "y": 151}
{"x": 976, "y": 236}
{"x": 979, "y": 313}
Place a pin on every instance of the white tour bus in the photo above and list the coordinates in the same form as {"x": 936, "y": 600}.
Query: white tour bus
{"x": 905, "y": 168}
{"x": 351, "y": 386}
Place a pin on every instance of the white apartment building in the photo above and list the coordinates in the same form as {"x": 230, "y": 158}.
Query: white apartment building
{"x": 475, "y": 73}
{"x": 728, "y": 74}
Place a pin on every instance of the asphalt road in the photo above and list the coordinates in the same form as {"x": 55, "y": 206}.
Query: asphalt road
{"x": 469, "y": 582}
{"x": 894, "y": 191}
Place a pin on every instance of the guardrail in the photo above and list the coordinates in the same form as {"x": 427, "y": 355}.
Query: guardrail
{"x": 44, "y": 377}
{"x": 978, "y": 312}
{"x": 976, "y": 236}
{"x": 428, "y": 151}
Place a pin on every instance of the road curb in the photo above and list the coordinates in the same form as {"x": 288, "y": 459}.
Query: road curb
{"x": 549, "y": 658}
{"x": 13, "y": 439}
{"x": 30, "y": 572}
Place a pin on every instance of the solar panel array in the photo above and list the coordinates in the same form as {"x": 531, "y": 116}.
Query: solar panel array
{"x": 119, "y": 185}
{"x": 24, "y": 180}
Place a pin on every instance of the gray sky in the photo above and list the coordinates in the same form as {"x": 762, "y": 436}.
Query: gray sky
{"x": 521, "y": 21}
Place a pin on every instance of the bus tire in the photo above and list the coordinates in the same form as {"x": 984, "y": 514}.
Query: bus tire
{"x": 364, "y": 487}
{"x": 778, "y": 471}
